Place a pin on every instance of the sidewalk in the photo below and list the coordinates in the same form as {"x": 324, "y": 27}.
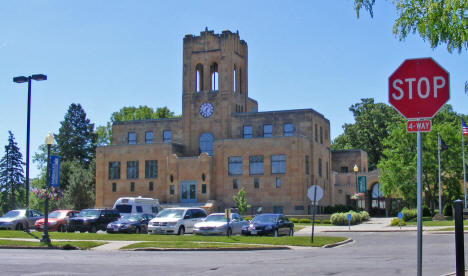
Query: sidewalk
{"x": 372, "y": 225}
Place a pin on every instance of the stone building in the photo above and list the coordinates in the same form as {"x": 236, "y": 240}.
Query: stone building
{"x": 220, "y": 144}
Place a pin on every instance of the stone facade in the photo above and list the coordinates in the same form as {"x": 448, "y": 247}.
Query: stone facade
{"x": 221, "y": 143}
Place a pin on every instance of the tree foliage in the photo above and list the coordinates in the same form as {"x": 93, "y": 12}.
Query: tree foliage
{"x": 76, "y": 139}
{"x": 372, "y": 121}
{"x": 398, "y": 164}
{"x": 438, "y": 22}
{"x": 80, "y": 191}
{"x": 241, "y": 202}
{"x": 12, "y": 191}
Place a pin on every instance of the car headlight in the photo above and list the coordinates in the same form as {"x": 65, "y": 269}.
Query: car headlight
{"x": 268, "y": 227}
{"x": 171, "y": 223}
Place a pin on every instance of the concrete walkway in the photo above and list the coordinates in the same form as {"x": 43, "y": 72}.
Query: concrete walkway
{"x": 372, "y": 225}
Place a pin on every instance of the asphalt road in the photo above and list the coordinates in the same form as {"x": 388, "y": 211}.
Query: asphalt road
{"x": 371, "y": 254}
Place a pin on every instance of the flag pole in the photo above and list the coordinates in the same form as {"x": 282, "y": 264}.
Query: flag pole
{"x": 438, "y": 153}
{"x": 464, "y": 170}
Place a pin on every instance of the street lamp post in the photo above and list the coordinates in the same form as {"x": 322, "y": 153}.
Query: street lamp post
{"x": 21, "y": 79}
{"x": 45, "y": 235}
{"x": 356, "y": 169}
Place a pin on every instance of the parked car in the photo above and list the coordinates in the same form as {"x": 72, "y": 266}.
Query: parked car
{"x": 216, "y": 224}
{"x": 18, "y": 220}
{"x": 92, "y": 220}
{"x": 269, "y": 224}
{"x": 137, "y": 223}
{"x": 58, "y": 220}
{"x": 137, "y": 205}
{"x": 175, "y": 221}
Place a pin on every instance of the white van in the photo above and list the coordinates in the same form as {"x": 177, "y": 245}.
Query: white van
{"x": 137, "y": 205}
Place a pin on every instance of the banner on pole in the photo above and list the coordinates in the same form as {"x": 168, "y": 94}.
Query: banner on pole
{"x": 362, "y": 184}
{"x": 54, "y": 171}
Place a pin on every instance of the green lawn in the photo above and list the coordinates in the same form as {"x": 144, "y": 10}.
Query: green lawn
{"x": 286, "y": 240}
{"x": 78, "y": 244}
{"x": 430, "y": 222}
{"x": 451, "y": 229}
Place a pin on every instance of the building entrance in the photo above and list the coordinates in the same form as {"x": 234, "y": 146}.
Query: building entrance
{"x": 188, "y": 191}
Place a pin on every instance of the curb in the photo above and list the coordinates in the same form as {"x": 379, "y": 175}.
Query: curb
{"x": 37, "y": 247}
{"x": 338, "y": 243}
{"x": 210, "y": 249}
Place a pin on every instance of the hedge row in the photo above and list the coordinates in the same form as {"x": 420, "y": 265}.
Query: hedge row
{"x": 342, "y": 218}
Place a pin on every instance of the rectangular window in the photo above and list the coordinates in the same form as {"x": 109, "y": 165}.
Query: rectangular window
{"x": 132, "y": 169}
{"x": 299, "y": 207}
{"x": 132, "y": 186}
{"x": 320, "y": 167}
{"x": 247, "y": 132}
{"x": 235, "y": 165}
{"x": 316, "y": 133}
{"x": 278, "y": 163}
{"x": 256, "y": 183}
{"x": 267, "y": 131}
{"x": 307, "y": 165}
{"x": 234, "y": 184}
{"x": 132, "y": 138}
{"x": 256, "y": 164}
{"x": 114, "y": 170}
{"x": 326, "y": 169}
{"x": 203, "y": 188}
{"x": 151, "y": 168}
{"x": 151, "y": 186}
{"x": 171, "y": 189}
{"x": 277, "y": 209}
{"x": 344, "y": 169}
{"x": 288, "y": 130}
{"x": 321, "y": 135}
{"x": 149, "y": 137}
{"x": 114, "y": 187}
{"x": 278, "y": 182}
{"x": 167, "y": 136}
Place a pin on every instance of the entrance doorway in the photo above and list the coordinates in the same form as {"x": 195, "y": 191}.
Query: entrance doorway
{"x": 377, "y": 201}
{"x": 188, "y": 191}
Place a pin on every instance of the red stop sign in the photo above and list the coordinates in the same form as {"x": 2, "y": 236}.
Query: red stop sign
{"x": 418, "y": 88}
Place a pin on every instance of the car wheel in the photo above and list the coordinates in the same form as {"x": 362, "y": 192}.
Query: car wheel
{"x": 181, "y": 231}
{"x": 291, "y": 232}
{"x": 276, "y": 233}
{"x": 93, "y": 229}
{"x": 137, "y": 230}
{"x": 19, "y": 226}
{"x": 229, "y": 232}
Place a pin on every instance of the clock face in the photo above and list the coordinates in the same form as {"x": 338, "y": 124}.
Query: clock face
{"x": 206, "y": 109}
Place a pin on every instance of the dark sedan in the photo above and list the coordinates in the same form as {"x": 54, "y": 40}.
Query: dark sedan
{"x": 137, "y": 223}
{"x": 269, "y": 224}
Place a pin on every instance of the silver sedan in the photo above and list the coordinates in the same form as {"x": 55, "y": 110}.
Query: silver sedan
{"x": 18, "y": 220}
{"x": 216, "y": 224}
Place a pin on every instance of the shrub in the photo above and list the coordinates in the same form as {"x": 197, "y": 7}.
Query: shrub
{"x": 426, "y": 211}
{"x": 409, "y": 214}
{"x": 447, "y": 211}
{"x": 396, "y": 222}
{"x": 305, "y": 221}
{"x": 364, "y": 215}
{"x": 294, "y": 220}
{"x": 342, "y": 218}
{"x": 248, "y": 218}
{"x": 326, "y": 221}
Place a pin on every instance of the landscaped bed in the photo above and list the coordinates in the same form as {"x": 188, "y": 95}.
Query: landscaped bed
{"x": 282, "y": 241}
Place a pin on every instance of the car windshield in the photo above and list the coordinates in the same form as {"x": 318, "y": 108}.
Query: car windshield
{"x": 124, "y": 208}
{"x": 89, "y": 213}
{"x": 265, "y": 219}
{"x": 12, "y": 214}
{"x": 170, "y": 213}
{"x": 132, "y": 218}
{"x": 57, "y": 215}
{"x": 219, "y": 218}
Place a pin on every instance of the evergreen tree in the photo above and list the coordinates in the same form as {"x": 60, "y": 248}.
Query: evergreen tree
{"x": 80, "y": 191}
{"x": 11, "y": 176}
{"x": 76, "y": 139}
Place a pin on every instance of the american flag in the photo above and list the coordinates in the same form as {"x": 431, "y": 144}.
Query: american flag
{"x": 464, "y": 129}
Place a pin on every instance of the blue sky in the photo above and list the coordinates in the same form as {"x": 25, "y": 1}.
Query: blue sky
{"x": 109, "y": 54}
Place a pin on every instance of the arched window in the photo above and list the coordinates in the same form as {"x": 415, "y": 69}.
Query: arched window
{"x": 234, "y": 79}
{"x": 199, "y": 78}
{"x": 240, "y": 80}
{"x": 214, "y": 77}
{"x": 206, "y": 143}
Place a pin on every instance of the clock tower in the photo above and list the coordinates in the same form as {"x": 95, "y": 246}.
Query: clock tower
{"x": 214, "y": 87}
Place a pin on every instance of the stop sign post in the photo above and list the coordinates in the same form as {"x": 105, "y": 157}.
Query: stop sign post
{"x": 418, "y": 89}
